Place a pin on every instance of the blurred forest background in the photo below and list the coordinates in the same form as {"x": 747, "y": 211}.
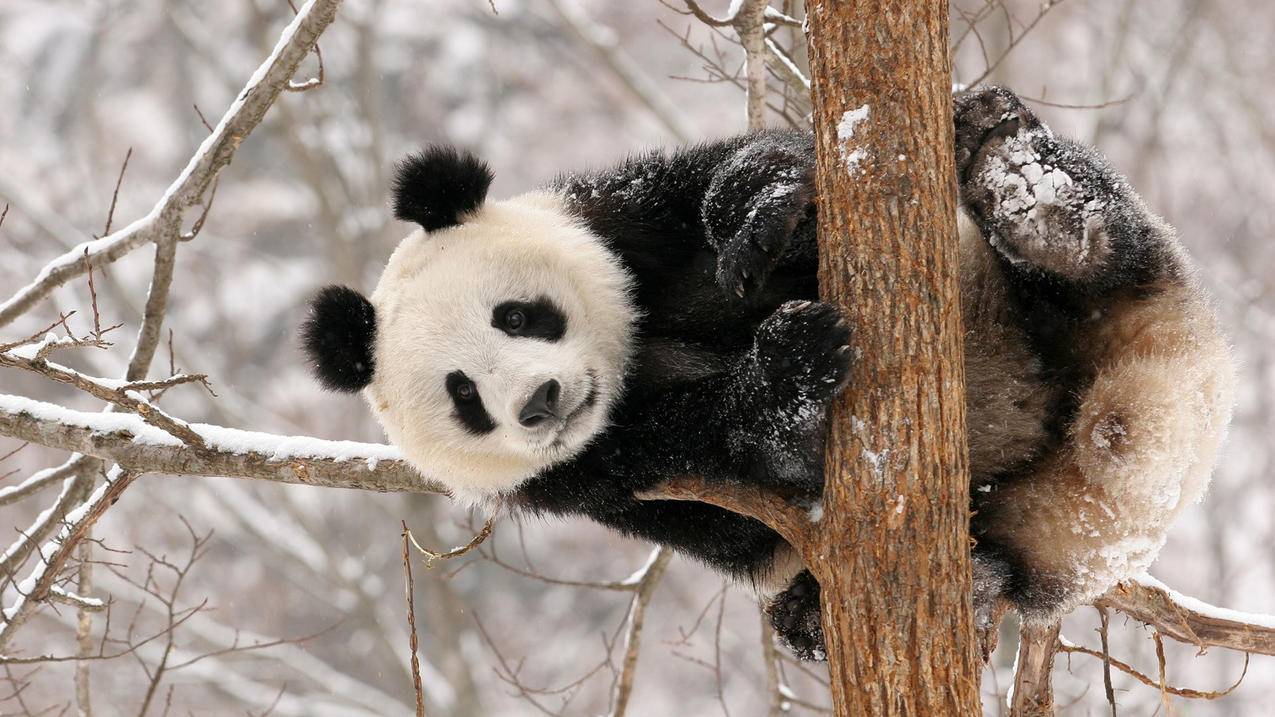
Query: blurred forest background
{"x": 1178, "y": 93}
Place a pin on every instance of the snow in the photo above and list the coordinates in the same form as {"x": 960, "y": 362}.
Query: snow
{"x": 138, "y": 232}
{"x": 876, "y": 460}
{"x": 226, "y": 440}
{"x": 816, "y": 512}
{"x": 1029, "y": 191}
{"x": 1199, "y": 606}
{"x": 87, "y": 601}
{"x": 641, "y": 572}
{"x": 851, "y": 156}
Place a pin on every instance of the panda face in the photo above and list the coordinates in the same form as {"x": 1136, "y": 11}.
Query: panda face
{"x": 501, "y": 344}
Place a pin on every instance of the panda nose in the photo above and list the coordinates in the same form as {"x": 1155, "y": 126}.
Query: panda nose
{"x": 543, "y": 404}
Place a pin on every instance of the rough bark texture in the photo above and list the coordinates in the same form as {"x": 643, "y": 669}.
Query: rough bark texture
{"x": 1033, "y": 693}
{"x": 893, "y": 552}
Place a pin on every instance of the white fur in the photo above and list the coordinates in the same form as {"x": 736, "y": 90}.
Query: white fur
{"x": 433, "y": 308}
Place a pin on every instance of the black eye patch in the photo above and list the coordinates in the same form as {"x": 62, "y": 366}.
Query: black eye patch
{"x": 538, "y": 319}
{"x": 469, "y": 405}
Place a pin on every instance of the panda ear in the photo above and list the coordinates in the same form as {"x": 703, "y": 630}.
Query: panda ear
{"x": 438, "y": 186}
{"x": 338, "y": 337}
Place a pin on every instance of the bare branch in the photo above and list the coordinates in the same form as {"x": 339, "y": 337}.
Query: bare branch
{"x": 649, "y": 579}
{"x": 78, "y": 479}
{"x": 431, "y": 556}
{"x": 749, "y": 24}
{"x": 113, "y": 392}
{"x": 1016, "y": 38}
{"x": 602, "y": 41}
{"x": 163, "y": 222}
{"x": 792, "y": 523}
{"x": 37, "y": 482}
{"x": 115, "y": 195}
{"x": 59, "y": 549}
{"x": 293, "y": 85}
{"x": 1033, "y": 695}
{"x": 411, "y": 618}
{"x": 57, "y": 594}
{"x": 1069, "y": 648}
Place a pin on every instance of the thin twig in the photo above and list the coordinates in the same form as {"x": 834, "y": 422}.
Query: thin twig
{"x": 1106, "y": 660}
{"x": 1069, "y": 648}
{"x": 164, "y": 219}
{"x": 294, "y": 86}
{"x": 431, "y": 555}
{"x": 411, "y": 621}
{"x": 115, "y": 195}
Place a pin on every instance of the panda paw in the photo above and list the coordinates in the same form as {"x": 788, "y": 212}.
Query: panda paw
{"x": 1040, "y": 201}
{"x": 803, "y": 351}
{"x": 984, "y": 117}
{"x": 766, "y": 224}
{"x": 796, "y": 619}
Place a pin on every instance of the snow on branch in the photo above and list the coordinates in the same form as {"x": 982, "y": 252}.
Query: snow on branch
{"x": 1189, "y": 620}
{"x": 57, "y": 551}
{"x": 130, "y": 442}
{"x": 163, "y": 222}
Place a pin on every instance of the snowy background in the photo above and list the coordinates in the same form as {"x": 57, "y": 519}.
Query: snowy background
{"x": 1176, "y": 92}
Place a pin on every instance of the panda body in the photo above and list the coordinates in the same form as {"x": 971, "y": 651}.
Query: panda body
{"x": 667, "y": 324}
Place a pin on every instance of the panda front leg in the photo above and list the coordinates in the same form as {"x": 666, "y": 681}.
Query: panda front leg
{"x": 1048, "y": 205}
{"x": 757, "y": 210}
{"x": 799, "y": 362}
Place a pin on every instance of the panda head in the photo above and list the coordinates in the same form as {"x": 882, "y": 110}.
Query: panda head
{"x": 496, "y": 341}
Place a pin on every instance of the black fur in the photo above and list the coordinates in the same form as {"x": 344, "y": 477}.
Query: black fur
{"x": 735, "y": 360}
{"x": 538, "y": 319}
{"x": 338, "y": 338}
{"x": 470, "y": 411}
{"x": 795, "y": 615}
{"x": 438, "y": 186}
{"x": 718, "y": 237}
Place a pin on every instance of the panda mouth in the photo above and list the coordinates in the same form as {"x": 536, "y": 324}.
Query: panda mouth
{"x": 590, "y": 400}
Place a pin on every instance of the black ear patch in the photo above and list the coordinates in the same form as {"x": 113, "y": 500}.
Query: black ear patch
{"x": 338, "y": 336}
{"x": 438, "y": 185}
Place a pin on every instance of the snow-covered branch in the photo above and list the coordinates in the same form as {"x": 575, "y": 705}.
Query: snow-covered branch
{"x": 164, "y": 221}
{"x": 1189, "y": 620}
{"x": 131, "y": 443}
{"x": 57, "y": 551}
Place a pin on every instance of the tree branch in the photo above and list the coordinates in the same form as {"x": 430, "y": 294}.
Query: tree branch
{"x": 163, "y": 222}
{"x": 1033, "y": 694}
{"x": 1189, "y": 620}
{"x": 791, "y": 522}
{"x": 128, "y": 441}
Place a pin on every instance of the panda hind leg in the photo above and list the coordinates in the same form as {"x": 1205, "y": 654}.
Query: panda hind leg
{"x": 796, "y": 618}
{"x": 1097, "y": 510}
{"x": 1047, "y": 203}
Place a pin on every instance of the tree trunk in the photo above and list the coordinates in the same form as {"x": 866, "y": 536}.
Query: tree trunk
{"x": 893, "y": 551}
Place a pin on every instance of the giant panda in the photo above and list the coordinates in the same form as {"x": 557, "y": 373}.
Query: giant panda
{"x": 564, "y": 350}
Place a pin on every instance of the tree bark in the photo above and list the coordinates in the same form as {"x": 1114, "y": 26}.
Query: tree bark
{"x": 892, "y": 554}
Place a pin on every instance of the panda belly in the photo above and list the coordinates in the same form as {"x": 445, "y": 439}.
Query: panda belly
{"x": 1008, "y": 402}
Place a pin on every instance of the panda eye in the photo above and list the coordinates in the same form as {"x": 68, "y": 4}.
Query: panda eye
{"x": 536, "y": 319}
{"x": 469, "y": 407}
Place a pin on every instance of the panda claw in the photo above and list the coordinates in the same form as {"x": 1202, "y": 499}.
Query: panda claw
{"x": 739, "y": 289}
